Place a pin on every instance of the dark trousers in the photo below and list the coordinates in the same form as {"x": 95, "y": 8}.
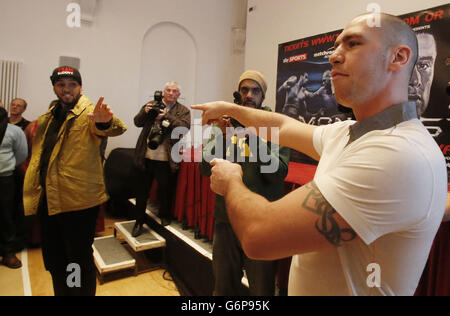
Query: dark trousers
{"x": 7, "y": 224}
{"x": 23, "y": 224}
{"x": 67, "y": 240}
{"x": 228, "y": 261}
{"x": 159, "y": 170}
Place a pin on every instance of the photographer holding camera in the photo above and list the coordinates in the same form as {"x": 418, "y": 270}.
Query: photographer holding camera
{"x": 158, "y": 119}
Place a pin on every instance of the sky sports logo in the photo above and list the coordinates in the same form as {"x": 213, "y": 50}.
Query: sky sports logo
{"x": 296, "y": 58}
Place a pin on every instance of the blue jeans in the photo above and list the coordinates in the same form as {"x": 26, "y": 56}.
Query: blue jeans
{"x": 228, "y": 261}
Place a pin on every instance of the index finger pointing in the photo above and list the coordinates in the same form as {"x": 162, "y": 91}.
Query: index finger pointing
{"x": 100, "y": 102}
{"x": 197, "y": 107}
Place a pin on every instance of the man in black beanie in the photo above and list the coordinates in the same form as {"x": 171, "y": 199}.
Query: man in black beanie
{"x": 229, "y": 259}
{"x": 64, "y": 182}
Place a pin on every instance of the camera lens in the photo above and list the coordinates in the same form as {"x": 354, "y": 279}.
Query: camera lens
{"x": 154, "y": 142}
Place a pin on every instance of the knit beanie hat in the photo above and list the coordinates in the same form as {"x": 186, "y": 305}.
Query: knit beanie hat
{"x": 255, "y": 76}
{"x": 65, "y": 72}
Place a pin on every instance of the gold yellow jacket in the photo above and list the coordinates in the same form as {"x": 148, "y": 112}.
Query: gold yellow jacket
{"x": 75, "y": 171}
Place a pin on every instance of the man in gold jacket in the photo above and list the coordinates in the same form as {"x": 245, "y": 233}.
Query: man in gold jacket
{"x": 64, "y": 182}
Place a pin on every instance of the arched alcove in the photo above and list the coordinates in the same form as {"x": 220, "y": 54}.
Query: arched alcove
{"x": 169, "y": 53}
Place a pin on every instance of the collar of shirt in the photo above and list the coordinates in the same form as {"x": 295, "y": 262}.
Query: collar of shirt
{"x": 388, "y": 118}
{"x": 60, "y": 112}
{"x": 167, "y": 109}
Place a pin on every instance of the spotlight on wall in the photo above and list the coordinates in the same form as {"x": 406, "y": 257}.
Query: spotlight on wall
{"x": 238, "y": 36}
{"x": 69, "y": 61}
{"x": 87, "y": 10}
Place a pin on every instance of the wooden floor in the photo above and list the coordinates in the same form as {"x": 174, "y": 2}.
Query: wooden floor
{"x": 146, "y": 284}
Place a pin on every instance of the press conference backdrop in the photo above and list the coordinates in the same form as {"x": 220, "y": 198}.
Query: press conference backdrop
{"x": 307, "y": 59}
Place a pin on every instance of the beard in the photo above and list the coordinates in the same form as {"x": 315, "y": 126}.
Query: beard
{"x": 251, "y": 103}
{"x": 69, "y": 104}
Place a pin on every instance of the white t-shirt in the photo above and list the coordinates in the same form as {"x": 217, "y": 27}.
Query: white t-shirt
{"x": 390, "y": 186}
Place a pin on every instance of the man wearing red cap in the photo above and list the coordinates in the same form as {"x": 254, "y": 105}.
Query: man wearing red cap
{"x": 64, "y": 182}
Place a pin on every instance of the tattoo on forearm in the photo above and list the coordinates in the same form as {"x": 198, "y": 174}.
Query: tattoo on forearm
{"x": 327, "y": 225}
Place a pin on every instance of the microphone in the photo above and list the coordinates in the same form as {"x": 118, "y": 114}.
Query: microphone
{"x": 237, "y": 100}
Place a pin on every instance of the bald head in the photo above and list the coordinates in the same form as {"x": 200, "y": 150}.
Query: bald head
{"x": 395, "y": 32}
{"x": 419, "y": 89}
{"x": 372, "y": 63}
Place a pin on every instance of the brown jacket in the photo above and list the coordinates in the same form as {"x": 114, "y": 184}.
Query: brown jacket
{"x": 178, "y": 115}
{"x": 75, "y": 171}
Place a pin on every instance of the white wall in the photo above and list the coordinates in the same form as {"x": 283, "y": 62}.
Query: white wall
{"x": 274, "y": 22}
{"x": 35, "y": 32}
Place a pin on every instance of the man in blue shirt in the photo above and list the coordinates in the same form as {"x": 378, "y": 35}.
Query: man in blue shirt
{"x": 13, "y": 151}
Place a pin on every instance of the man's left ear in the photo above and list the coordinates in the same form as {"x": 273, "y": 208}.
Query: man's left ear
{"x": 400, "y": 57}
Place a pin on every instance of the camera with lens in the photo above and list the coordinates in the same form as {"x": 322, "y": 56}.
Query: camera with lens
{"x": 160, "y": 128}
{"x": 158, "y": 133}
{"x": 157, "y": 106}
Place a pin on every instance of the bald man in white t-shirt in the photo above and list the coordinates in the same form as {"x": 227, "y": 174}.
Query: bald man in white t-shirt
{"x": 366, "y": 223}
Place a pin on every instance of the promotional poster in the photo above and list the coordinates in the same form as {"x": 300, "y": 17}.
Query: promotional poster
{"x": 305, "y": 92}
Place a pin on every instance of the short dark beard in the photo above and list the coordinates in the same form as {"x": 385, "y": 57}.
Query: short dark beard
{"x": 69, "y": 105}
{"x": 257, "y": 106}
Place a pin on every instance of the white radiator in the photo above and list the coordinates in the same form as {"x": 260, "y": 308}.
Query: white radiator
{"x": 9, "y": 81}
